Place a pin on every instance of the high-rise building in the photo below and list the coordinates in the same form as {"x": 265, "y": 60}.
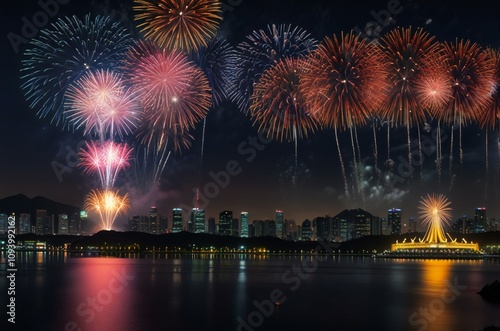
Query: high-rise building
{"x": 324, "y": 226}
{"x": 177, "y": 220}
{"x": 235, "y": 227}
{"x": 307, "y": 233}
{"x": 362, "y": 224}
{"x": 480, "y": 220}
{"x": 279, "y": 224}
{"x": 412, "y": 225}
{"x": 463, "y": 225}
{"x": 74, "y": 224}
{"x": 198, "y": 220}
{"x": 154, "y": 221}
{"x": 244, "y": 224}
{"x": 63, "y": 226}
{"x": 163, "y": 224}
{"x": 83, "y": 223}
{"x": 25, "y": 223}
{"x": 43, "y": 222}
{"x": 3, "y": 223}
{"x": 394, "y": 220}
{"x": 225, "y": 222}
{"x": 290, "y": 229}
{"x": 212, "y": 228}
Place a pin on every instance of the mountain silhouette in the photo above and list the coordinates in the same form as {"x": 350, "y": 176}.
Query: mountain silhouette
{"x": 20, "y": 203}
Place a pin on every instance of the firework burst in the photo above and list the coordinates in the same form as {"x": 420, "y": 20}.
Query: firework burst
{"x": 100, "y": 103}
{"x": 263, "y": 49}
{"x": 107, "y": 159}
{"x": 471, "y": 76}
{"x": 62, "y": 53}
{"x": 416, "y": 63}
{"x": 344, "y": 84}
{"x": 278, "y": 105}
{"x": 490, "y": 118}
{"x": 173, "y": 91}
{"x": 218, "y": 61}
{"x": 435, "y": 212}
{"x": 179, "y": 24}
{"x": 107, "y": 205}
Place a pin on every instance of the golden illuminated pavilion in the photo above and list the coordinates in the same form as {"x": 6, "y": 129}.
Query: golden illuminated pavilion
{"x": 435, "y": 211}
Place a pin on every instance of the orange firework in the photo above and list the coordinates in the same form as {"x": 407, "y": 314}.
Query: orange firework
{"x": 344, "y": 85}
{"x": 471, "y": 76}
{"x": 107, "y": 204}
{"x": 278, "y": 105}
{"x": 416, "y": 64}
{"x": 490, "y": 117}
{"x": 179, "y": 24}
{"x": 345, "y": 81}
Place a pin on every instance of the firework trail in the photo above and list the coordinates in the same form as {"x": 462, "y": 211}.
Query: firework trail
{"x": 412, "y": 56}
{"x": 107, "y": 205}
{"x": 101, "y": 104}
{"x": 62, "y": 53}
{"x": 263, "y": 49}
{"x": 218, "y": 62}
{"x": 344, "y": 83}
{"x": 179, "y": 24}
{"x": 471, "y": 76}
{"x": 153, "y": 147}
{"x": 107, "y": 159}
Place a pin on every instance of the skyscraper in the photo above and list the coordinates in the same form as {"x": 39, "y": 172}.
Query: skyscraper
{"x": 176, "y": 220}
{"x": 43, "y": 222}
{"x": 198, "y": 220}
{"x": 279, "y": 223}
{"x": 244, "y": 224}
{"x": 212, "y": 228}
{"x": 63, "y": 227}
{"x": 394, "y": 220}
{"x": 25, "y": 223}
{"x": 480, "y": 220}
{"x": 225, "y": 222}
{"x": 154, "y": 221}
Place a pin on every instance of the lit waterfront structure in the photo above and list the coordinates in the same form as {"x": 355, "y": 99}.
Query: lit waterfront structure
{"x": 176, "y": 220}
{"x": 435, "y": 212}
{"x": 244, "y": 224}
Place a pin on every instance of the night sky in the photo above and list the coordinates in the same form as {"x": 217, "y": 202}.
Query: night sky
{"x": 30, "y": 146}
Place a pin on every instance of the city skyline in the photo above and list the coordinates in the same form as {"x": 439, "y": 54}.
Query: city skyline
{"x": 247, "y": 171}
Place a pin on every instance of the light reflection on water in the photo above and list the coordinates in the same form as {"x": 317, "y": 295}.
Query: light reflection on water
{"x": 209, "y": 292}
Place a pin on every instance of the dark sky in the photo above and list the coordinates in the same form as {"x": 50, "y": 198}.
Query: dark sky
{"x": 29, "y": 146}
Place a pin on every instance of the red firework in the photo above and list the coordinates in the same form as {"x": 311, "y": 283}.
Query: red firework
{"x": 416, "y": 75}
{"x": 100, "y": 103}
{"x": 490, "y": 117}
{"x": 179, "y": 24}
{"x": 345, "y": 81}
{"x": 278, "y": 105}
{"x": 173, "y": 91}
{"x": 107, "y": 159}
{"x": 472, "y": 79}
